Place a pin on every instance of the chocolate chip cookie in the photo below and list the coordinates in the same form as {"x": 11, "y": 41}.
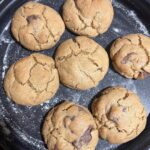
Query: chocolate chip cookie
{"x": 131, "y": 56}
{"x": 81, "y": 63}
{"x": 88, "y": 17}
{"x": 37, "y": 26}
{"x": 119, "y": 115}
{"x": 32, "y": 80}
{"x": 70, "y": 127}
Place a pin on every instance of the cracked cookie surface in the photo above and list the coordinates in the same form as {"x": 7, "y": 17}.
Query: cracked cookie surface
{"x": 88, "y": 17}
{"x": 81, "y": 63}
{"x": 69, "y": 126}
{"x": 37, "y": 26}
{"x": 32, "y": 80}
{"x": 119, "y": 115}
{"x": 130, "y": 56}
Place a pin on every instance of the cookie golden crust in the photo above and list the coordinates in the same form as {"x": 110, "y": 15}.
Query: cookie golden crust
{"x": 131, "y": 56}
{"x": 119, "y": 115}
{"x": 37, "y": 26}
{"x": 32, "y": 80}
{"x": 70, "y": 127}
{"x": 88, "y": 17}
{"x": 81, "y": 63}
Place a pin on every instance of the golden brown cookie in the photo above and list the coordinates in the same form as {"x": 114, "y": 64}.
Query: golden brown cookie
{"x": 88, "y": 17}
{"x": 37, "y": 26}
{"x": 130, "y": 56}
{"x": 82, "y": 63}
{"x": 70, "y": 127}
{"x": 32, "y": 80}
{"x": 119, "y": 115}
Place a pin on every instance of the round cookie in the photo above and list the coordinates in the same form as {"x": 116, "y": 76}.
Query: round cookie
{"x": 81, "y": 63}
{"x": 88, "y": 17}
{"x": 37, "y": 26}
{"x": 130, "y": 56}
{"x": 32, "y": 80}
{"x": 70, "y": 127}
{"x": 119, "y": 115}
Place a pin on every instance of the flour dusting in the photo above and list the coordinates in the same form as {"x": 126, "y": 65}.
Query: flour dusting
{"x": 132, "y": 14}
{"x": 129, "y": 84}
{"x": 5, "y": 29}
{"x": 5, "y": 40}
{"x": 47, "y": 105}
{"x": 1, "y": 1}
{"x": 30, "y": 140}
{"x": 141, "y": 26}
{"x": 5, "y": 61}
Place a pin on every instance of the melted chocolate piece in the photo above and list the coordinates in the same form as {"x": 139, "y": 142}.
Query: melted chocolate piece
{"x": 143, "y": 75}
{"x": 56, "y": 148}
{"x": 84, "y": 139}
{"x": 126, "y": 58}
{"x": 80, "y": 109}
{"x": 72, "y": 118}
{"x": 124, "y": 109}
{"x": 32, "y": 17}
{"x": 115, "y": 119}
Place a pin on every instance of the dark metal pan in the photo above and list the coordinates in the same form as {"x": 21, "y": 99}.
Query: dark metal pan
{"x": 20, "y": 126}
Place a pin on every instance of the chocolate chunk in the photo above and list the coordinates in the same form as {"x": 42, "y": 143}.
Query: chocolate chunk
{"x": 126, "y": 58}
{"x": 124, "y": 109}
{"x": 143, "y": 75}
{"x": 115, "y": 119}
{"x": 80, "y": 109}
{"x": 56, "y": 148}
{"x": 72, "y": 118}
{"x": 84, "y": 139}
{"x": 32, "y": 17}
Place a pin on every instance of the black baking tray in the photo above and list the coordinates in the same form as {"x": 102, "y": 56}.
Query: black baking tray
{"x": 20, "y": 126}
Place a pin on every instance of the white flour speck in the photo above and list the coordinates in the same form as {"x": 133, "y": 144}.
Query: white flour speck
{"x": 1, "y": 1}
{"x": 116, "y": 30}
{"x": 5, "y": 40}
{"x": 5, "y": 61}
{"x": 47, "y": 105}
{"x": 76, "y": 97}
{"x": 6, "y": 28}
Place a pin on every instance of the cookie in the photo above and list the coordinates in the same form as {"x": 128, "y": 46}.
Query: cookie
{"x": 37, "y": 26}
{"x": 131, "y": 56}
{"x": 119, "y": 115}
{"x": 88, "y": 17}
{"x": 81, "y": 63}
{"x": 32, "y": 80}
{"x": 70, "y": 127}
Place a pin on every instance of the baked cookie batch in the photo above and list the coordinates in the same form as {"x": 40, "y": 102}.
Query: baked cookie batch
{"x": 117, "y": 115}
{"x": 32, "y": 80}
{"x": 82, "y": 63}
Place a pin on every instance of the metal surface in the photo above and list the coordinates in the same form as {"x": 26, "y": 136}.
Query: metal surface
{"x": 20, "y": 126}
